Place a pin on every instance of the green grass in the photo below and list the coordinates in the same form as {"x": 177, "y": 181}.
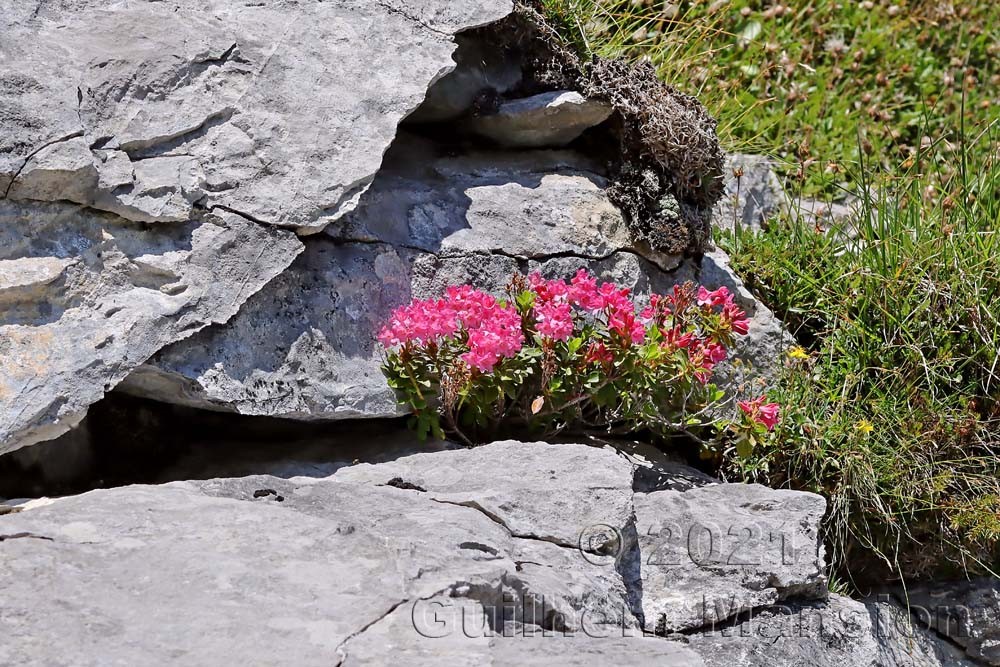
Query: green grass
{"x": 895, "y": 414}
{"x": 802, "y": 81}
{"x": 892, "y": 411}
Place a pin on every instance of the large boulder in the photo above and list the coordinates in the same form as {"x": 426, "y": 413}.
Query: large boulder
{"x": 156, "y": 159}
{"x": 473, "y": 548}
{"x": 431, "y": 219}
{"x": 87, "y": 296}
{"x": 509, "y": 553}
{"x": 280, "y": 111}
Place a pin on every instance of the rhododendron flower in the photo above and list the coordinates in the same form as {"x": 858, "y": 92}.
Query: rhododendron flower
{"x": 547, "y": 290}
{"x": 583, "y": 292}
{"x": 704, "y": 355}
{"x": 599, "y": 353}
{"x": 624, "y": 323}
{"x": 674, "y": 339}
{"x": 421, "y": 321}
{"x": 494, "y": 331}
{"x": 554, "y": 320}
{"x": 736, "y": 319}
{"x": 719, "y": 297}
{"x": 767, "y": 414}
{"x": 438, "y": 350}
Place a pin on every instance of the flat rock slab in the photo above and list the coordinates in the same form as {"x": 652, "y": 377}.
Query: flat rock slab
{"x": 583, "y": 487}
{"x": 481, "y": 556}
{"x": 311, "y": 571}
{"x": 551, "y": 119}
{"x": 280, "y": 110}
{"x": 717, "y": 551}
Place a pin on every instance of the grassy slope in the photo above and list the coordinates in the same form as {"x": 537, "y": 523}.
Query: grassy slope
{"x": 892, "y": 412}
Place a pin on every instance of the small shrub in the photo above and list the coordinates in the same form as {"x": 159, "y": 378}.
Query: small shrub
{"x": 570, "y": 356}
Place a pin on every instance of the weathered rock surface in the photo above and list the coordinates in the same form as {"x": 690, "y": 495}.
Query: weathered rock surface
{"x": 87, "y": 296}
{"x": 834, "y": 633}
{"x": 149, "y": 110}
{"x": 909, "y": 639}
{"x": 510, "y": 553}
{"x": 723, "y": 549}
{"x": 227, "y": 124}
{"x": 752, "y": 194}
{"x": 375, "y": 560}
{"x": 481, "y": 74}
{"x": 966, "y": 612}
{"x": 545, "y": 120}
{"x": 429, "y": 221}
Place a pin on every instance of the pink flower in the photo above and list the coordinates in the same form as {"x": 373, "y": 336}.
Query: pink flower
{"x": 767, "y": 414}
{"x": 736, "y": 319}
{"x": 624, "y": 323}
{"x": 719, "y": 297}
{"x": 583, "y": 292}
{"x": 493, "y": 331}
{"x": 674, "y": 339}
{"x": 704, "y": 355}
{"x": 555, "y": 320}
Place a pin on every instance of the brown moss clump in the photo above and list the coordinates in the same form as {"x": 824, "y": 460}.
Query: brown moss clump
{"x": 663, "y": 153}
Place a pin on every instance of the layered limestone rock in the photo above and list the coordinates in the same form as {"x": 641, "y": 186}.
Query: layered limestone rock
{"x": 509, "y": 553}
{"x": 87, "y": 296}
{"x": 404, "y": 552}
{"x": 156, "y": 159}
{"x": 151, "y": 110}
{"x": 430, "y": 220}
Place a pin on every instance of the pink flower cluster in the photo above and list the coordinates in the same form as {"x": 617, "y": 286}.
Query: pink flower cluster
{"x": 554, "y": 300}
{"x": 494, "y": 330}
{"x": 761, "y": 412}
{"x": 732, "y": 316}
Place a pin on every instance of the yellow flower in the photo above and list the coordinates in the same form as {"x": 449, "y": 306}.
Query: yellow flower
{"x": 864, "y": 426}
{"x": 798, "y": 353}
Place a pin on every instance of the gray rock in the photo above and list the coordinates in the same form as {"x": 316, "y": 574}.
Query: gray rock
{"x": 89, "y": 296}
{"x": 908, "y": 639}
{"x": 585, "y": 486}
{"x": 468, "y": 556}
{"x": 481, "y": 73}
{"x": 967, "y": 612}
{"x": 170, "y": 115}
{"x": 752, "y": 193}
{"x": 428, "y": 222}
{"x": 550, "y": 119}
{"x": 834, "y": 633}
{"x": 837, "y": 215}
{"x": 269, "y": 109}
{"x": 357, "y": 568}
{"x": 716, "y": 551}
